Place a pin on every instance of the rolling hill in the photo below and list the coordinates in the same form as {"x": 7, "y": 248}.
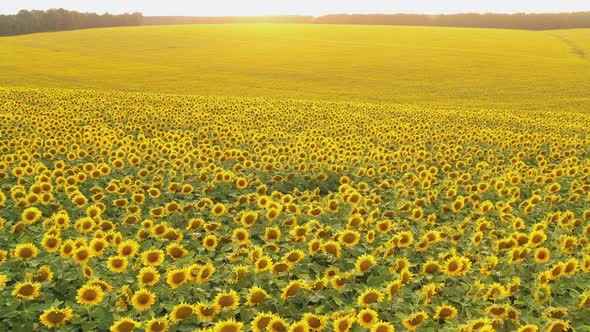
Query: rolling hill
{"x": 483, "y": 68}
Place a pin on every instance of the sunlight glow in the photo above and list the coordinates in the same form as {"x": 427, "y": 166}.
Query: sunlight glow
{"x": 295, "y": 7}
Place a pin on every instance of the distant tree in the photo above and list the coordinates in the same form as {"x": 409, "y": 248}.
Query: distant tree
{"x": 26, "y": 21}
{"x": 474, "y": 20}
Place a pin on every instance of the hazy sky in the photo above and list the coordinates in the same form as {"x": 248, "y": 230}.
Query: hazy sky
{"x": 299, "y": 7}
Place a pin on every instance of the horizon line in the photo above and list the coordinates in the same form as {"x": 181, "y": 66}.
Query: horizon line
{"x": 312, "y": 15}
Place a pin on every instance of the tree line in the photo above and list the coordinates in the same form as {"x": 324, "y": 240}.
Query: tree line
{"x": 575, "y": 20}
{"x": 501, "y": 21}
{"x": 31, "y": 21}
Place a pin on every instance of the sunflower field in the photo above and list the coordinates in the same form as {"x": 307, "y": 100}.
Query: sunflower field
{"x": 130, "y": 211}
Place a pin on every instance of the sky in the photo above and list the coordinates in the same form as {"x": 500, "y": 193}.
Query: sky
{"x": 296, "y": 7}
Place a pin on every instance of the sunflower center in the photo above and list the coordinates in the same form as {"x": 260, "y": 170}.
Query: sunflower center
{"x": 183, "y": 312}
{"x": 226, "y": 301}
{"x": 157, "y": 326}
{"x": 55, "y": 317}
{"x": 143, "y": 299}
{"x": 148, "y": 277}
{"x": 365, "y": 265}
{"x": 126, "y": 327}
{"x": 26, "y": 253}
{"x": 178, "y": 278}
{"x": 207, "y": 311}
{"x": 26, "y": 290}
{"x": 153, "y": 257}
{"x": 370, "y": 298}
{"x": 445, "y": 312}
{"x": 453, "y": 266}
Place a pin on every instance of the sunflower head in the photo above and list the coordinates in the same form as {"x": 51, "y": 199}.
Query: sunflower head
{"x": 54, "y": 317}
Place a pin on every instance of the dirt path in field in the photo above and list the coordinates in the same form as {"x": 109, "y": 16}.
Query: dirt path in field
{"x": 573, "y": 46}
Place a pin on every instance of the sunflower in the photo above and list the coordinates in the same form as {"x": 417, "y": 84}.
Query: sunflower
{"x": 542, "y": 255}
{"x": 51, "y": 243}
{"x": 318, "y": 284}
{"x": 528, "y": 328}
{"x": 349, "y": 238}
{"x": 143, "y": 300}
{"x": 261, "y": 321}
{"x": 181, "y": 312}
{"x": 241, "y": 235}
{"x": 300, "y": 326}
{"x": 176, "y": 251}
{"x": 31, "y": 215}
{"x": 157, "y": 325}
{"x": 570, "y": 267}
{"x": 264, "y": 263}
{"x": 148, "y": 276}
{"x": 497, "y": 311}
{"x": 27, "y": 290}
{"x": 495, "y": 291}
{"x": 3, "y": 280}
{"x": 364, "y": 263}
{"x": 98, "y": 246}
{"x": 272, "y": 234}
{"x": 207, "y": 312}
{"x": 343, "y": 324}
{"x": 430, "y": 267}
{"x": 248, "y": 219}
{"x": 54, "y": 317}
{"x": 277, "y": 324}
{"x": 67, "y": 248}
{"x": 314, "y": 246}
{"x": 105, "y": 286}
{"x": 176, "y": 278}
{"x": 128, "y": 248}
{"x": 558, "y": 326}
{"x": 229, "y": 300}
{"x": 393, "y": 288}
{"x": 218, "y": 210}
{"x": 43, "y": 274}
{"x": 117, "y": 264}
{"x": 331, "y": 248}
{"x": 124, "y": 324}
{"x": 315, "y": 322}
{"x": 82, "y": 255}
{"x": 413, "y": 321}
{"x": 404, "y": 239}
{"x": 556, "y": 271}
{"x": 453, "y": 266}
{"x": 154, "y": 257}
{"x": 584, "y": 300}
{"x": 280, "y": 267}
{"x": 25, "y": 251}
{"x": 294, "y": 256}
{"x": 89, "y": 295}
{"x": 205, "y": 273}
{"x": 3, "y": 255}
{"x": 585, "y": 263}
{"x": 369, "y": 297}
{"x": 229, "y": 325}
{"x": 292, "y": 289}
{"x": 210, "y": 242}
{"x": 272, "y": 214}
{"x": 367, "y": 317}
{"x": 194, "y": 224}
{"x": 445, "y": 312}
{"x": 339, "y": 281}
{"x": 85, "y": 225}
{"x": 256, "y": 296}
{"x": 381, "y": 326}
